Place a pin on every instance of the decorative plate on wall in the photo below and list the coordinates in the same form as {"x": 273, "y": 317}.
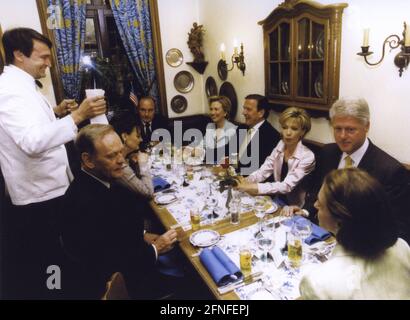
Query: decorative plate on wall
{"x": 174, "y": 57}
{"x": 228, "y": 90}
{"x": 210, "y": 87}
{"x": 222, "y": 70}
{"x": 179, "y": 104}
{"x": 184, "y": 81}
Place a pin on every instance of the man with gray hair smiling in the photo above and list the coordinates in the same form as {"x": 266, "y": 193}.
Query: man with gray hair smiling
{"x": 350, "y": 120}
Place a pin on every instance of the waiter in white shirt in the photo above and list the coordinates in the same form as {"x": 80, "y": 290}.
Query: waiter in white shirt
{"x": 34, "y": 162}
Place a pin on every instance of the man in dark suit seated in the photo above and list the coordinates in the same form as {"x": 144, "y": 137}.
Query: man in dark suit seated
{"x": 149, "y": 121}
{"x": 257, "y": 140}
{"x": 350, "y": 119}
{"x": 102, "y": 221}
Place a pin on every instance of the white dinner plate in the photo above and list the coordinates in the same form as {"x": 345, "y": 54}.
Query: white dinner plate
{"x": 273, "y": 207}
{"x": 248, "y": 201}
{"x": 204, "y": 238}
{"x": 165, "y": 198}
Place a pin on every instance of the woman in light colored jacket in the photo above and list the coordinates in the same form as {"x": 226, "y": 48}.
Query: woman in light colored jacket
{"x": 220, "y": 130}
{"x": 289, "y": 162}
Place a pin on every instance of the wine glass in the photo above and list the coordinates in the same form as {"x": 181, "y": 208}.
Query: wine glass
{"x": 304, "y": 228}
{"x": 211, "y": 203}
{"x": 178, "y": 172}
{"x": 267, "y": 235}
{"x": 260, "y": 209}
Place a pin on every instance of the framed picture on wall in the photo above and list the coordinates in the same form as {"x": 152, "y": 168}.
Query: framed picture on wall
{"x": 2, "y": 58}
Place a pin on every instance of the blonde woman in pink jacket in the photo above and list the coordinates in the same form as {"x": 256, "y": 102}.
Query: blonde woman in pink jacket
{"x": 289, "y": 162}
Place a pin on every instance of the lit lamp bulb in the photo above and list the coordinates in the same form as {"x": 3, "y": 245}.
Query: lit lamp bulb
{"x": 86, "y": 60}
{"x": 223, "y": 51}
{"x": 235, "y": 47}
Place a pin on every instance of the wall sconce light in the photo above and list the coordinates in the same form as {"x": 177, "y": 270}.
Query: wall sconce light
{"x": 237, "y": 59}
{"x": 402, "y": 59}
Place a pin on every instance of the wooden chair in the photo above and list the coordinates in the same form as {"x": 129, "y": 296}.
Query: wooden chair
{"x": 116, "y": 288}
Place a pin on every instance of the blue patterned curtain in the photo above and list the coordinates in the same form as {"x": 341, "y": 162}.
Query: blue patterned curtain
{"x": 69, "y": 33}
{"x": 132, "y": 18}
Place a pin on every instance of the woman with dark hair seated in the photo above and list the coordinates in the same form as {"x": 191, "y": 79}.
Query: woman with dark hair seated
{"x": 369, "y": 260}
{"x": 137, "y": 176}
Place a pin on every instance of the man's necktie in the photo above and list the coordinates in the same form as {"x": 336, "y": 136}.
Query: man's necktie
{"x": 148, "y": 131}
{"x": 348, "y": 162}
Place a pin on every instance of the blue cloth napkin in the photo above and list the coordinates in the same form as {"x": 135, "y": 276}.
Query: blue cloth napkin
{"x": 219, "y": 266}
{"x": 160, "y": 184}
{"x": 318, "y": 233}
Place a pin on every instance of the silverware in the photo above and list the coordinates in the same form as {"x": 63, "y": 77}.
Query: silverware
{"x": 243, "y": 282}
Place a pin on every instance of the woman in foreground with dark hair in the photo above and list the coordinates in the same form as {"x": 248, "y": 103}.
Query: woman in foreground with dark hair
{"x": 369, "y": 260}
{"x": 137, "y": 175}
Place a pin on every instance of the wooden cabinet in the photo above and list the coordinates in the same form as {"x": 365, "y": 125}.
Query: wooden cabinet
{"x": 302, "y": 54}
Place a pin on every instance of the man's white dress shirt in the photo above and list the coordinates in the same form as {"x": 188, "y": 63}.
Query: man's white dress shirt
{"x": 355, "y": 156}
{"x": 33, "y": 158}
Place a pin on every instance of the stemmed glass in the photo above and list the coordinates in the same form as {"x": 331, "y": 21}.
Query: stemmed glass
{"x": 178, "y": 172}
{"x": 260, "y": 209}
{"x": 267, "y": 236}
{"x": 304, "y": 229}
{"x": 211, "y": 203}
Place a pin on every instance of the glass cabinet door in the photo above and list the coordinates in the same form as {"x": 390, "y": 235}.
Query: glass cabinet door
{"x": 280, "y": 59}
{"x": 310, "y": 62}
{"x": 302, "y": 41}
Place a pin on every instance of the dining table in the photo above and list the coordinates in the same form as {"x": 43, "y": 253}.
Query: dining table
{"x": 272, "y": 276}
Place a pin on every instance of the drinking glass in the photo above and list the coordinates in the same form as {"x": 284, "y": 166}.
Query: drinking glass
{"x": 234, "y": 211}
{"x": 260, "y": 208}
{"x": 304, "y": 229}
{"x": 195, "y": 219}
{"x": 178, "y": 172}
{"x": 245, "y": 260}
{"x": 287, "y": 225}
{"x": 211, "y": 203}
{"x": 267, "y": 237}
{"x": 294, "y": 248}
